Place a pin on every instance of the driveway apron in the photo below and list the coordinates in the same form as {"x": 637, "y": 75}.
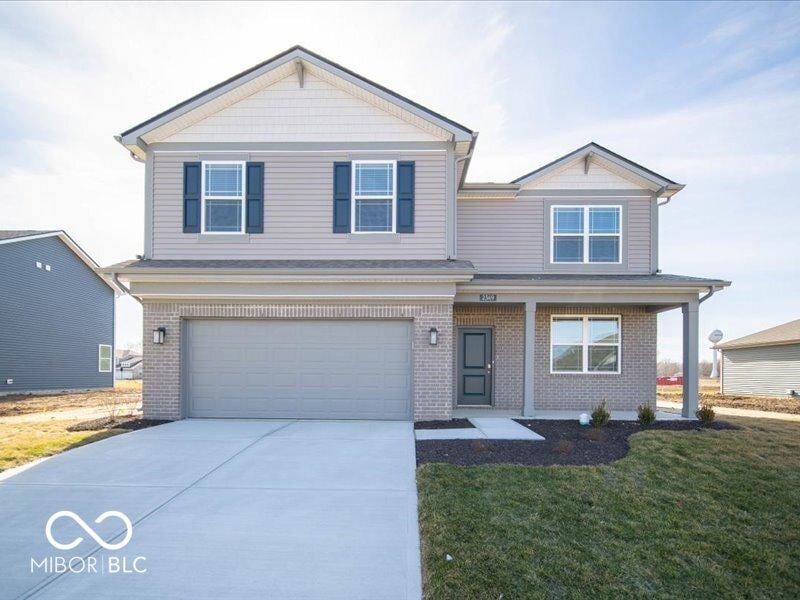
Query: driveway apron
{"x": 222, "y": 509}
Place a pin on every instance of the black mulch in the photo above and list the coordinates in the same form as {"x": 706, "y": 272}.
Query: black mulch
{"x": 565, "y": 443}
{"x": 449, "y": 424}
{"x": 124, "y": 423}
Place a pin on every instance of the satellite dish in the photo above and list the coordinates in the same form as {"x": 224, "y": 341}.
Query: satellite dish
{"x": 715, "y": 336}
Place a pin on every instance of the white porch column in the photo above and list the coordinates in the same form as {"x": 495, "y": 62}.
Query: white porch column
{"x": 691, "y": 343}
{"x": 530, "y": 339}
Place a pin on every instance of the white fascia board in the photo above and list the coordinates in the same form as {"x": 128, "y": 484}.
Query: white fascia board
{"x": 131, "y": 140}
{"x": 76, "y": 249}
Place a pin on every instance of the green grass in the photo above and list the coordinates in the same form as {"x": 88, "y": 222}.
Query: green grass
{"x": 690, "y": 514}
{"x": 23, "y": 442}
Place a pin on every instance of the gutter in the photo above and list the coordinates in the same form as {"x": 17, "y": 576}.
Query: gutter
{"x": 123, "y": 287}
{"x": 118, "y": 138}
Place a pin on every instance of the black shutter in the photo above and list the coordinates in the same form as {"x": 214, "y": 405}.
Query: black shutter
{"x": 405, "y": 197}
{"x": 255, "y": 197}
{"x": 341, "y": 197}
{"x": 191, "y": 197}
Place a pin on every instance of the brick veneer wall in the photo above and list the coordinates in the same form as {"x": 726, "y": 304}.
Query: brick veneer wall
{"x": 432, "y": 365}
{"x": 635, "y": 385}
{"x": 508, "y": 326}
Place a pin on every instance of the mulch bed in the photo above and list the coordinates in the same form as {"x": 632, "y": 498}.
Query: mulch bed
{"x": 565, "y": 443}
{"x": 131, "y": 424}
{"x": 448, "y": 424}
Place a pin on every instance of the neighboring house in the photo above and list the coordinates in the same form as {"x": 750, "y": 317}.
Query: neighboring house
{"x": 129, "y": 366}
{"x": 766, "y": 363}
{"x": 312, "y": 250}
{"x": 56, "y": 315}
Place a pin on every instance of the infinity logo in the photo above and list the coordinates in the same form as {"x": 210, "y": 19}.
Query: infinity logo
{"x": 68, "y": 513}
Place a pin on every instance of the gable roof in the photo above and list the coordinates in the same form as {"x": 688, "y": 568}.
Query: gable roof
{"x": 132, "y": 138}
{"x": 22, "y": 235}
{"x": 788, "y": 333}
{"x": 594, "y": 151}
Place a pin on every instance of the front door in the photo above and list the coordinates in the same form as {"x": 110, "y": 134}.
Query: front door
{"x": 474, "y": 366}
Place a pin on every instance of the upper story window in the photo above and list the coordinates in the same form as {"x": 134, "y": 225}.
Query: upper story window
{"x": 586, "y": 234}
{"x": 223, "y": 197}
{"x": 374, "y": 196}
{"x": 584, "y": 344}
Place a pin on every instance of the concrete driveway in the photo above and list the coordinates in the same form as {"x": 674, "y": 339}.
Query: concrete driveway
{"x": 222, "y": 509}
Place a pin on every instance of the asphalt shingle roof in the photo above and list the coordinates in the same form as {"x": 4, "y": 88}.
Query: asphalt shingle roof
{"x": 780, "y": 334}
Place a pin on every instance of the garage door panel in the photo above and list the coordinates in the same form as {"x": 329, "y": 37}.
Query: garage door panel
{"x": 299, "y": 369}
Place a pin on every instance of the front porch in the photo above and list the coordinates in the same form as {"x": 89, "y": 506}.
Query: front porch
{"x": 519, "y": 378}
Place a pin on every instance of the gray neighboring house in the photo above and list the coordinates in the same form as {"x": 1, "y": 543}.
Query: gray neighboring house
{"x": 129, "y": 366}
{"x": 312, "y": 250}
{"x": 56, "y": 315}
{"x": 766, "y": 363}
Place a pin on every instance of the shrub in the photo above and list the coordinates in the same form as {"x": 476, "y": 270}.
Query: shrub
{"x": 647, "y": 416}
{"x": 600, "y": 415}
{"x": 706, "y": 414}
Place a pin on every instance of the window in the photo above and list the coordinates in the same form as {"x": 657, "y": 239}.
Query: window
{"x": 586, "y": 234}
{"x": 223, "y": 197}
{"x": 585, "y": 344}
{"x": 104, "y": 358}
{"x": 374, "y": 196}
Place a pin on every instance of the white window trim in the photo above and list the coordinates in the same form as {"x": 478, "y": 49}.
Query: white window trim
{"x": 586, "y": 235}
{"x": 100, "y": 358}
{"x": 585, "y": 345}
{"x": 353, "y": 195}
{"x": 241, "y": 198}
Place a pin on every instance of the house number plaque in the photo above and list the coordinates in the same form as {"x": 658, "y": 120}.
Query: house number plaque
{"x": 488, "y": 298}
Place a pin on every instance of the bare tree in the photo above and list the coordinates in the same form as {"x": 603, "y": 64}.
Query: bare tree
{"x": 704, "y": 367}
{"x": 667, "y": 367}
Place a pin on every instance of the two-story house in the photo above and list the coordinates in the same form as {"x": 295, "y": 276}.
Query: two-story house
{"x": 312, "y": 251}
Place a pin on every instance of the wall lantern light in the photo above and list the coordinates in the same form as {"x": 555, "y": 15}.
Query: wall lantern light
{"x": 434, "y": 336}
{"x": 159, "y": 335}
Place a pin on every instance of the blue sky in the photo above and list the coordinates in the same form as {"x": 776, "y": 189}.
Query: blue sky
{"x": 707, "y": 94}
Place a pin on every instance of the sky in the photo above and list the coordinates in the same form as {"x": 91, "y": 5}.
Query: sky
{"x": 708, "y": 94}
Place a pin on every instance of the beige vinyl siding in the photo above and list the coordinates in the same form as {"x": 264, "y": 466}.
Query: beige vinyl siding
{"x": 764, "y": 371}
{"x": 572, "y": 177}
{"x": 502, "y": 236}
{"x": 512, "y": 236}
{"x": 285, "y": 112}
{"x": 298, "y": 211}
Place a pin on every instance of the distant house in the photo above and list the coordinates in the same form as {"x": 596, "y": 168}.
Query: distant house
{"x": 56, "y": 315}
{"x": 766, "y": 363}
{"x": 129, "y": 366}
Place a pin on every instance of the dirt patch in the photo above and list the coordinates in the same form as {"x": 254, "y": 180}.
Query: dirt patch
{"x": 444, "y": 424}
{"x": 777, "y": 404}
{"x": 565, "y": 443}
{"x": 107, "y": 423}
{"x": 21, "y": 404}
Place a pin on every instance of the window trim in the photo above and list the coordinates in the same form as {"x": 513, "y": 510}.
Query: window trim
{"x": 100, "y": 358}
{"x": 585, "y": 235}
{"x": 354, "y": 198}
{"x": 242, "y": 199}
{"x": 585, "y": 344}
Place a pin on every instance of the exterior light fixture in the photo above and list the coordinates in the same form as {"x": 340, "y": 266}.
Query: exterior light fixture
{"x": 434, "y": 336}
{"x": 159, "y": 335}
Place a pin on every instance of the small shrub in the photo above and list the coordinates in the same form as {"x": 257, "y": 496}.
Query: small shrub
{"x": 706, "y": 414}
{"x": 600, "y": 415}
{"x": 647, "y": 416}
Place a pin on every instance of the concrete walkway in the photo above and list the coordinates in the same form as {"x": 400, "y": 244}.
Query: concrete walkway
{"x": 736, "y": 412}
{"x": 491, "y": 428}
{"x": 224, "y": 509}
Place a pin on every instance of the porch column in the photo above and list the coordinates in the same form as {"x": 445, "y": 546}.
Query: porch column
{"x": 530, "y": 339}
{"x": 691, "y": 343}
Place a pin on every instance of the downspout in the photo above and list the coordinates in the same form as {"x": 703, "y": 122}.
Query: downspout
{"x": 710, "y": 293}
{"x": 115, "y": 279}
{"x": 458, "y": 183}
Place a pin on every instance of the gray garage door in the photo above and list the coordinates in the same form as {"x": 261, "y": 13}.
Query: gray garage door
{"x": 299, "y": 369}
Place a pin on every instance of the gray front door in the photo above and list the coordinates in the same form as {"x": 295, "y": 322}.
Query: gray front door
{"x": 474, "y": 366}
{"x": 312, "y": 369}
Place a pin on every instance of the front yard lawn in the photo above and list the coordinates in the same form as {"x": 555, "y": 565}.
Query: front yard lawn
{"x": 23, "y": 442}
{"x": 685, "y": 514}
